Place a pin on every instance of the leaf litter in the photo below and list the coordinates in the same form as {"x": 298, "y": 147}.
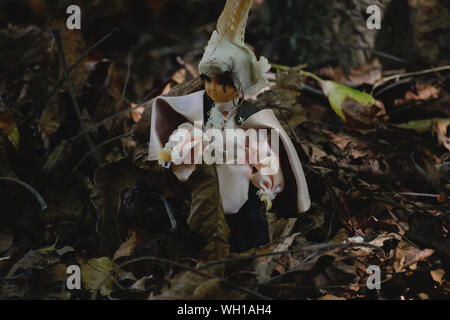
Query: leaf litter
{"x": 378, "y": 177}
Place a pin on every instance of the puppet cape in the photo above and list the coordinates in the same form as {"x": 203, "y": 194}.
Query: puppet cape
{"x": 169, "y": 112}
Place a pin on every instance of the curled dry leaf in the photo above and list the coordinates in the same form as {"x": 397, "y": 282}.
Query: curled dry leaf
{"x": 437, "y": 275}
{"x": 424, "y": 92}
{"x": 136, "y": 114}
{"x": 406, "y": 255}
{"x": 127, "y": 247}
{"x": 35, "y": 259}
{"x": 140, "y": 285}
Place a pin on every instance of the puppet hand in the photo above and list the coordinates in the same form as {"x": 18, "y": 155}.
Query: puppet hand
{"x": 164, "y": 156}
{"x": 264, "y": 198}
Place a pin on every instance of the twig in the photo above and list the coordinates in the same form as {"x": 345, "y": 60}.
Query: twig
{"x": 331, "y": 224}
{"x": 399, "y": 205}
{"x": 397, "y": 221}
{"x": 98, "y": 147}
{"x": 297, "y": 139}
{"x": 127, "y": 76}
{"x": 71, "y": 89}
{"x": 127, "y": 79}
{"x": 389, "y": 87}
{"x": 325, "y": 246}
{"x": 61, "y": 80}
{"x": 98, "y": 124}
{"x": 413, "y": 194}
{"x": 311, "y": 75}
{"x": 169, "y": 211}
{"x": 270, "y": 106}
{"x": 29, "y": 188}
{"x": 164, "y": 261}
{"x": 281, "y": 67}
{"x": 402, "y": 75}
{"x": 302, "y": 288}
{"x": 295, "y": 268}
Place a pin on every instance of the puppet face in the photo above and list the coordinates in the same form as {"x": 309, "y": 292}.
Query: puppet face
{"x": 219, "y": 89}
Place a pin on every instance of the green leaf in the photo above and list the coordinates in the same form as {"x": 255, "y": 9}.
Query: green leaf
{"x": 340, "y": 96}
{"x": 421, "y": 126}
{"x": 337, "y": 94}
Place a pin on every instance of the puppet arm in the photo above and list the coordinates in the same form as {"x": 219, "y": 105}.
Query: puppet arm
{"x": 177, "y": 138}
{"x": 178, "y": 151}
{"x": 268, "y": 177}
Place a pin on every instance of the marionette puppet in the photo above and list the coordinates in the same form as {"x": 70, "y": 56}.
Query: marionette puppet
{"x": 181, "y": 129}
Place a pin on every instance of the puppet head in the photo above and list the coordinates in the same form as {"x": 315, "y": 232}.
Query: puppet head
{"x": 226, "y": 51}
{"x": 221, "y": 88}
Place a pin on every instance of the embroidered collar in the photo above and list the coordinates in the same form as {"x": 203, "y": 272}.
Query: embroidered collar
{"x": 222, "y": 116}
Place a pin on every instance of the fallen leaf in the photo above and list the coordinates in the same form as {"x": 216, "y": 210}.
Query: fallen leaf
{"x": 59, "y": 157}
{"x": 140, "y": 285}
{"x": 421, "y": 126}
{"x": 407, "y": 255}
{"x": 136, "y": 114}
{"x": 109, "y": 186}
{"x": 266, "y": 265}
{"x": 56, "y": 273}
{"x": 206, "y": 216}
{"x": 181, "y": 287}
{"x": 437, "y": 275}
{"x": 330, "y": 297}
{"x": 210, "y": 289}
{"x": 8, "y": 126}
{"x": 127, "y": 247}
{"x": 52, "y": 117}
{"x": 424, "y": 92}
{"x": 437, "y": 125}
{"x": 35, "y": 259}
{"x": 317, "y": 154}
{"x": 74, "y": 46}
{"x": 441, "y": 130}
{"x": 21, "y": 46}
{"x": 94, "y": 271}
{"x": 124, "y": 275}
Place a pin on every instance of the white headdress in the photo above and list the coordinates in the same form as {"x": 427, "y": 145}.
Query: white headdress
{"x": 226, "y": 50}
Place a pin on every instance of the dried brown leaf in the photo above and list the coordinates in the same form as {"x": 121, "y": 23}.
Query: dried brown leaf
{"x": 127, "y": 247}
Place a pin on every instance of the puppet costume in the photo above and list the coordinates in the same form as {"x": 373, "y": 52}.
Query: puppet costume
{"x": 240, "y": 185}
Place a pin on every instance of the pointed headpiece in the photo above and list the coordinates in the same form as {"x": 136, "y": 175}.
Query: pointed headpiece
{"x": 226, "y": 50}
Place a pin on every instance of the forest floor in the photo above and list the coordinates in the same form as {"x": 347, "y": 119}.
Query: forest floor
{"x": 76, "y": 189}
